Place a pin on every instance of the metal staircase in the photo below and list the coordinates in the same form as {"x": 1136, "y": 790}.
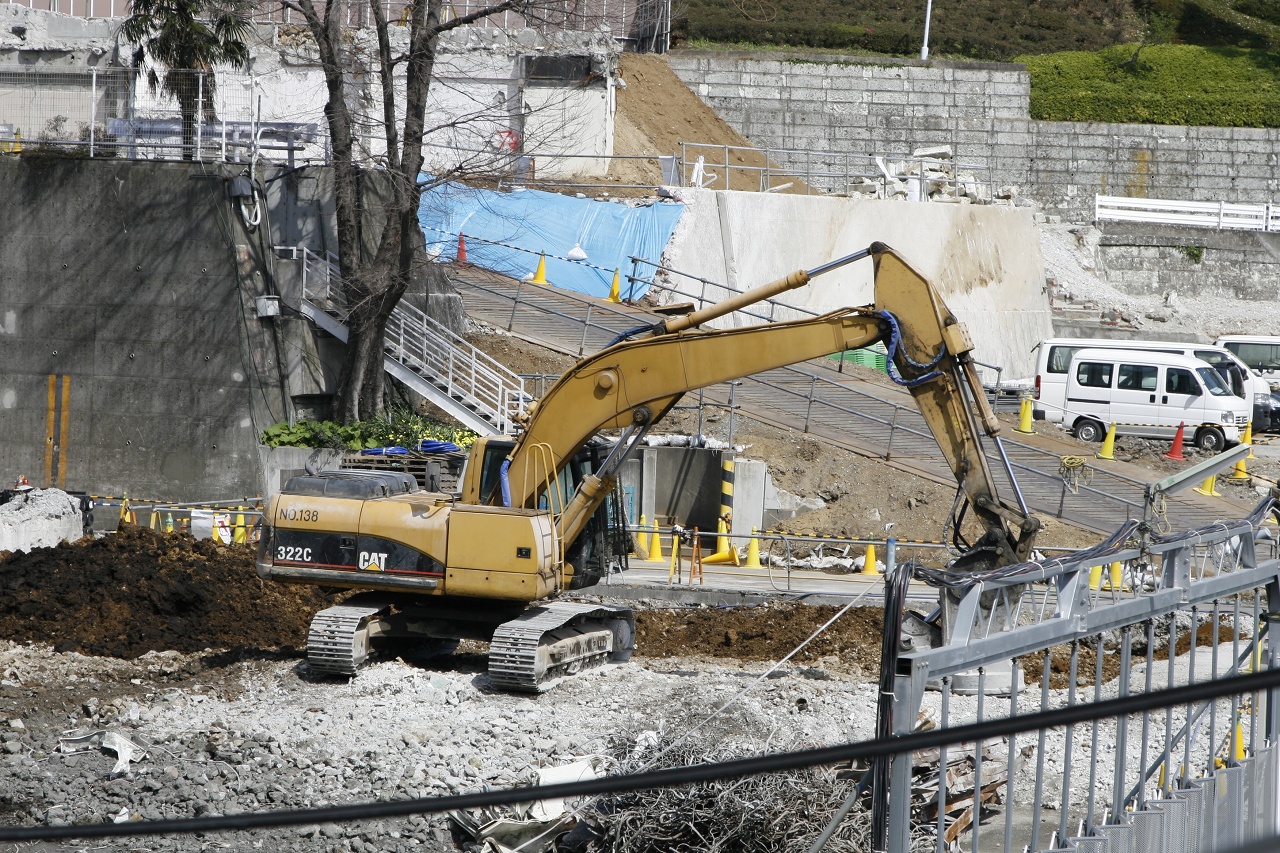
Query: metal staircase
{"x": 464, "y": 382}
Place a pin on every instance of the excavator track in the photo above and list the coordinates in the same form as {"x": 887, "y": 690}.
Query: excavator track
{"x": 532, "y": 652}
{"x": 338, "y": 641}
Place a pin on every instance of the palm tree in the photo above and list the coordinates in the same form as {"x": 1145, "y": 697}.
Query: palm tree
{"x": 188, "y": 38}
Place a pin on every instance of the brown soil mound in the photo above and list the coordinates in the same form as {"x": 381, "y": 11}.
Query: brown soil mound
{"x": 765, "y": 633}
{"x": 139, "y": 591}
{"x": 657, "y": 111}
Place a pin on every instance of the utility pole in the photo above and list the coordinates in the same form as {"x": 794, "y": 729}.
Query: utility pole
{"x": 928, "y": 13}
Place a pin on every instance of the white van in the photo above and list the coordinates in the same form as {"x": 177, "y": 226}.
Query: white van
{"x": 1260, "y": 353}
{"x": 1054, "y": 357}
{"x": 1149, "y": 393}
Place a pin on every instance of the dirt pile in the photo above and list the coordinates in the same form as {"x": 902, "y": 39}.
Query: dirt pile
{"x": 138, "y": 591}
{"x": 764, "y": 633}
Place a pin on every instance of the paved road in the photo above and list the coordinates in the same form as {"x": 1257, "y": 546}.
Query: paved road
{"x": 866, "y": 418}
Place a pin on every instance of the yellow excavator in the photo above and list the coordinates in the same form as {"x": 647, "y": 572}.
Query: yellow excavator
{"x": 538, "y": 515}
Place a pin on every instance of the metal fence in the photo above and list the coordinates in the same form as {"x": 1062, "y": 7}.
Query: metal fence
{"x": 643, "y": 23}
{"x": 113, "y": 112}
{"x": 1221, "y": 215}
{"x": 1137, "y": 613}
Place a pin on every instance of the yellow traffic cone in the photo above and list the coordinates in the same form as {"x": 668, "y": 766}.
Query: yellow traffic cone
{"x": 1024, "y": 418}
{"x": 1095, "y": 577}
{"x": 869, "y": 566}
{"x": 655, "y": 543}
{"x": 241, "y": 534}
{"x": 753, "y": 551}
{"x": 1248, "y": 439}
{"x": 615, "y": 294}
{"x": 1207, "y": 488}
{"x": 540, "y": 277}
{"x": 1108, "y": 450}
{"x": 1241, "y": 473}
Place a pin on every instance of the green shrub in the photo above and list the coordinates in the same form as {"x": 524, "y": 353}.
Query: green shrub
{"x": 401, "y": 427}
{"x": 1158, "y": 84}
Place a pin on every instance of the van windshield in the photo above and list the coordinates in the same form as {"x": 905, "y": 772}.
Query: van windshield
{"x": 1227, "y": 368}
{"x": 1257, "y": 356}
{"x": 1213, "y": 382}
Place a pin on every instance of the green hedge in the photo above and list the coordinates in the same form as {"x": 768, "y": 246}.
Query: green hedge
{"x": 1165, "y": 84}
{"x": 400, "y": 427}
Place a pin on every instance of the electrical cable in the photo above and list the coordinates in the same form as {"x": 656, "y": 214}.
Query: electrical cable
{"x": 1071, "y": 715}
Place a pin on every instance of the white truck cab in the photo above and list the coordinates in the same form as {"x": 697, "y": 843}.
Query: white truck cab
{"x": 1150, "y": 393}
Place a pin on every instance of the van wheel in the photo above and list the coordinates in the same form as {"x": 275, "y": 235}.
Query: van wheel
{"x": 1087, "y": 430}
{"x": 1211, "y": 440}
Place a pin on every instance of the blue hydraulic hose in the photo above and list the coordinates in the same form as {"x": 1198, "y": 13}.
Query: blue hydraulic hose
{"x": 895, "y": 346}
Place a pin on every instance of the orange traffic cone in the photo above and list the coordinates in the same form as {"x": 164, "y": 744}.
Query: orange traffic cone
{"x": 461, "y": 260}
{"x": 1175, "y": 452}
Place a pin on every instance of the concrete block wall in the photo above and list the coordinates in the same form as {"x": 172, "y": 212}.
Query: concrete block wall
{"x": 889, "y": 107}
{"x": 1146, "y": 259}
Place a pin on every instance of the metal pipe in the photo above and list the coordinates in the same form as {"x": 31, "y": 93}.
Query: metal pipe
{"x": 1008, "y": 467}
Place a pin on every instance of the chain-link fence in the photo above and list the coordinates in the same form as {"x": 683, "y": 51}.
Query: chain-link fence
{"x": 190, "y": 115}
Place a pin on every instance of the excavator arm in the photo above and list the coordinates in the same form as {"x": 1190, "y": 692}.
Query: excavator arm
{"x": 632, "y": 384}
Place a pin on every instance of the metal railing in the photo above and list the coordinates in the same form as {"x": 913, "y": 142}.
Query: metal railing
{"x": 827, "y": 172}
{"x": 633, "y": 20}
{"x": 1135, "y": 614}
{"x": 430, "y": 350}
{"x": 1223, "y": 216}
{"x": 113, "y": 112}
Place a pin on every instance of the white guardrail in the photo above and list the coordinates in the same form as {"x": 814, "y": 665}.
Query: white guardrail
{"x": 1194, "y": 214}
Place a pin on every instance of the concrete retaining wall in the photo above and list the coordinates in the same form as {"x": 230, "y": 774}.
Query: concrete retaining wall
{"x": 889, "y": 107}
{"x": 985, "y": 260}
{"x": 132, "y": 357}
{"x": 1147, "y": 259}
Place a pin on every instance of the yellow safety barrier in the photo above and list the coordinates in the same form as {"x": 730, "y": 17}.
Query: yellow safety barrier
{"x": 1108, "y": 450}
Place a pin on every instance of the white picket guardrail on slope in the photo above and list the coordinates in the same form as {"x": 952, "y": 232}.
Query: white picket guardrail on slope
{"x": 1221, "y": 215}
{"x": 462, "y": 379}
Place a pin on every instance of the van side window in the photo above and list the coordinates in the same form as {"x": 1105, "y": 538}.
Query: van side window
{"x": 1093, "y": 374}
{"x": 1179, "y": 381}
{"x": 1257, "y": 356}
{"x": 1137, "y": 377}
{"x": 1060, "y": 358}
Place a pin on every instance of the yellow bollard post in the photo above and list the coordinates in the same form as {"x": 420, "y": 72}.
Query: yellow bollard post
{"x": 869, "y": 566}
{"x": 540, "y": 276}
{"x": 1095, "y": 577}
{"x": 1237, "y": 745}
{"x": 240, "y": 534}
{"x": 1248, "y": 439}
{"x": 753, "y": 551}
{"x": 655, "y": 544}
{"x": 1208, "y": 488}
{"x": 1024, "y": 418}
{"x": 1108, "y": 450}
{"x": 615, "y": 289}
{"x": 1115, "y": 581}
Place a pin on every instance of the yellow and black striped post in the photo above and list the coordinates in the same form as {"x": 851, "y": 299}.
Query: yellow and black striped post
{"x": 726, "y": 503}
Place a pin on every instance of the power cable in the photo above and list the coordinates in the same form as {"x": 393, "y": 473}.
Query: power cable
{"x": 862, "y": 751}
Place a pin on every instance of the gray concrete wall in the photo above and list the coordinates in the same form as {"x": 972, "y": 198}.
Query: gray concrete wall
{"x": 1147, "y": 259}
{"x": 889, "y": 107}
{"x": 127, "y": 289}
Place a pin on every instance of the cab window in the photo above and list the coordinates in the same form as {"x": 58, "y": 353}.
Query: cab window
{"x": 1257, "y": 356}
{"x": 1180, "y": 381}
{"x": 1094, "y": 374}
{"x": 1137, "y": 377}
{"x": 1060, "y": 358}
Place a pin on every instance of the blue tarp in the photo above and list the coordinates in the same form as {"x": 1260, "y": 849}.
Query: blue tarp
{"x": 541, "y": 222}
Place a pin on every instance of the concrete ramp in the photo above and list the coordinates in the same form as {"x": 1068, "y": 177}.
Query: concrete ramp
{"x": 984, "y": 259}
